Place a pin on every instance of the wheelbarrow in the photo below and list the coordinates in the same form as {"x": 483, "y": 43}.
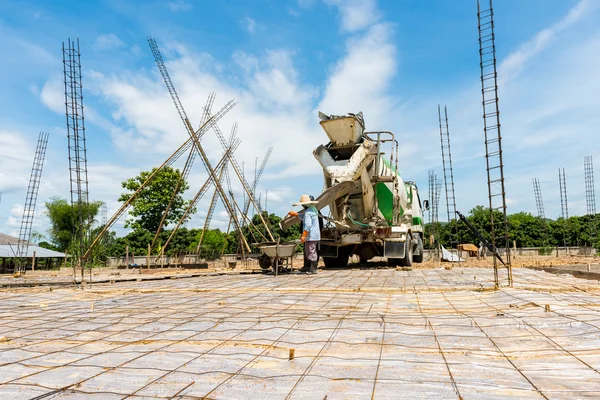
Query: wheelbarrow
{"x": 274, "y": 254}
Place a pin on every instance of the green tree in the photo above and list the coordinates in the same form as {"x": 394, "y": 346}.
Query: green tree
{"x": 152, "y": 201}
{"x": 526, "y": 230}
{"x": 258, "y": 233}
{"x": 64, "y": 220}
{"x": 49, "y": 246}
{"x": 36, "y": 237}
{"x": 212, "y": 243}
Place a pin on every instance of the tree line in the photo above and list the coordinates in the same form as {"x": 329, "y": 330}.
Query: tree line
{"x": 164, "y": 193}
{"x": 523, "y": 228}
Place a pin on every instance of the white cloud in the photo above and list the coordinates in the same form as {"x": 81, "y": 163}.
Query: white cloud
{"x": 274, "y": 106}
{"x": 548, "y": 100}
{"x": 53, "y": 95}
{"x": 548, "y": 103}
{"x": 293, "y": 12}
{"x": 107, "y": 42}
{"x": 357, "y": 83}
{"x": 136, "y": 51}
{"x": 270, "y": 99}
{"x": 513, "y": 64}
{"x": 306, "y": 3}
{"x": 248, "y": 62}
{"x": 16, "y": 156}
{"x": 249, "y": 24}
{"x": 17, "y": 210}
{"x": 356, "y": 14}
{"x": 179, "y": 5}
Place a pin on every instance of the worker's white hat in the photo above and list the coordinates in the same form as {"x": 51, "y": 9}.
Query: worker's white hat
{"x": 305, "y": 199}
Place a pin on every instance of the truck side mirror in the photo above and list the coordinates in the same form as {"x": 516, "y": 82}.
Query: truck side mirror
{"x": 425, "y": 205}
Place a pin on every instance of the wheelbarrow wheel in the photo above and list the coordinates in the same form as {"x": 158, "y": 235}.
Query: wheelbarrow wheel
{"x": 265, "y": 262}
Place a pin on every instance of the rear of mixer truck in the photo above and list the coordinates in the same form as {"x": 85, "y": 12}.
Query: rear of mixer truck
{"x": 373, "y": 212}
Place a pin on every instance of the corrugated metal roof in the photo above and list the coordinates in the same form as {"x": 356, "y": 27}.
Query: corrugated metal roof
{"x": 7, "y": 239}
{"x": 8, "y": 250}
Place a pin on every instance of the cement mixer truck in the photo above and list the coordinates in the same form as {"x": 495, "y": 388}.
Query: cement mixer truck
{"x": 373, "y": 212}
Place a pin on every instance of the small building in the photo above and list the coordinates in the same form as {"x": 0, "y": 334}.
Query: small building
{"x": 45, "y": 259}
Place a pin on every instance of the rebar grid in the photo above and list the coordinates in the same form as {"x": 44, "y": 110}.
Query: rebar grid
{"x": 356, "y": 333}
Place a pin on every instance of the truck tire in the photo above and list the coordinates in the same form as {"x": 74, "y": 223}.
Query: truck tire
{"x": 418, "y": 258}
{"x": 408, "y": 253}
{"x": 341, "y": 261}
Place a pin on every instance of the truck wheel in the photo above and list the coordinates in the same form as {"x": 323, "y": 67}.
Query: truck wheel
{"x": 393, "y": 262}
{"x": 408, "y": 253}
{"x": 341, "y": 261}
{"x": 418, "y": 258}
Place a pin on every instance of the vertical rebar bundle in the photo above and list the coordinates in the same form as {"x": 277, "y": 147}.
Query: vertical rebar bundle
{"x": 435, "y": 204}
{"x": 193, "y": 135}
{"x": 447, "y": 164}
{"x": 257, "y": 177}
{"x": 103, "y": 214}
{"x": 432, "y": 210}
{"x": 448, "y": 174}
{"x": 30, "y": 201}
{"x": 76, "y": 141}
{"x": 431, "y": 180}
{"x": 189, "y": 162}
{"x": 564, "y": 207}
{"x": 562, "y": 181}
{"x": 539, "y": 203}
{"x": 538, "y": 199}
{"x": 590, "y": 195}
{"x": 213, "y": 201}
{"x": 438, "y": 192}
{"x": 493, "y": 138}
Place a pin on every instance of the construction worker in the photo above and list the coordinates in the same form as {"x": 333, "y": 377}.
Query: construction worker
{"x": 311, "y": 232}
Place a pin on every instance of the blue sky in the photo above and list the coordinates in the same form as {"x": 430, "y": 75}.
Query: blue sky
{"x": 285, "y": 60}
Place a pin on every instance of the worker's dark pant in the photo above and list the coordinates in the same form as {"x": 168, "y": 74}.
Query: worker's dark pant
{"x": 311, "y": 250}
{"x": 311, "y": 246}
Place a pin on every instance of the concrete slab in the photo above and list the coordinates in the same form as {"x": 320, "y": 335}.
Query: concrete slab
{"x": 360, "y": 333}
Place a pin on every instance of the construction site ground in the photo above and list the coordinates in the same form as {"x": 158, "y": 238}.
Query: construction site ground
{"x": 358, "y": 332}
